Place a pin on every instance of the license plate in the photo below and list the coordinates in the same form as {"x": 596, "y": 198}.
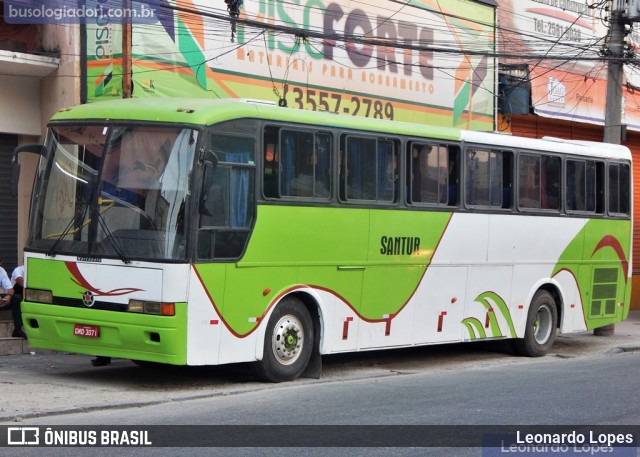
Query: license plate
{"x": 88, "y": 331}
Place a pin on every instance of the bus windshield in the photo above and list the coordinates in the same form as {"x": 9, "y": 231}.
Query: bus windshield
{"x": 118, "y": 191}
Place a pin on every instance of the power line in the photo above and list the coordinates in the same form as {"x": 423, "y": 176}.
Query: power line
{"x": 375, "y": 41}
{"x": 217, "y": 16}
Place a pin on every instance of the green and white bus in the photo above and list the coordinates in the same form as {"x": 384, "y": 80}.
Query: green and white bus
{"x": 199, "y": 232}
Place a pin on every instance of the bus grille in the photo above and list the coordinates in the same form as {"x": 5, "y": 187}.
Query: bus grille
{"x": 78, "y": 303}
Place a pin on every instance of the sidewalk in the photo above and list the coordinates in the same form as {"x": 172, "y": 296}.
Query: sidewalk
{"x": 45, "y": 383}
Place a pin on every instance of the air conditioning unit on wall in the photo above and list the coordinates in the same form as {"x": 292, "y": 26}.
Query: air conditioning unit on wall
{"x": 514, "y": 89}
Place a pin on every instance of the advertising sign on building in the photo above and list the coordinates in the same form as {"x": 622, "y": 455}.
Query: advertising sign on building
{"x": 565, "y": 43}
{"x": 423, "y": 61}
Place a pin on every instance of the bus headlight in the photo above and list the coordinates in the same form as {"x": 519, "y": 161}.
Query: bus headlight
{"x": 38, "y": 296}
{"x": 152, "y": 307}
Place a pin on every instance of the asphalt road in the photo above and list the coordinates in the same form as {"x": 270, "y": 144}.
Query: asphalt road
{"x": 594, "y": 390}
{"x": 50, "y": 383}
{"x": 584, "y": 380}
{"x": 563, "y": 392}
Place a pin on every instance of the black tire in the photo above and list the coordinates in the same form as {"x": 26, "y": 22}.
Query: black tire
{"x": 288, "y": 342}
{"x": 542, "y": 322}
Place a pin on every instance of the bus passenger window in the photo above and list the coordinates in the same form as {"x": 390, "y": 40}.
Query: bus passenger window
{"x": 488, "y": 178}
{"x": 575, "y": 186}
{"x": 227, "y": 205}
{"x": 305, "y": 164}
{"x": 618, "y": 188}
{"x": 529, "y": 181}
{"x": 369, "y": 170}
{"x": 214, "y": 210}
{"x": 430, "y": 170}
{"x": 585, "y": 184}
{"x": 538, "y": 181}
{"x": 550, "y": 178}
{"x": 270, "y": 163}
{"x": 454, "y": 176}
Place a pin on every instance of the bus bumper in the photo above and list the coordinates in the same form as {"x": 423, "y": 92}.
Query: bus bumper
{"x": 152, "y": 338}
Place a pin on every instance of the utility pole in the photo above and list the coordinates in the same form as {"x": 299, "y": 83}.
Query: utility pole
{"x": 613, "y": 107}
{"x": 127, "y": 29}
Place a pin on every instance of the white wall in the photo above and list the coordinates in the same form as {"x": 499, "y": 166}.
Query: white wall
{"x": 61, "y": 89}
{"x": 27, "y": 103}
{"x": 20, "y": 111}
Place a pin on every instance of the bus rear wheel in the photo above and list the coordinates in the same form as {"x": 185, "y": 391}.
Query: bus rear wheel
{"x": 288, "y": 342}
{"x": 542, "y": 322}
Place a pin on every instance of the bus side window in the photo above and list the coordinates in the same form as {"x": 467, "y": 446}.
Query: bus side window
{"x": 599, "y": 187}
{"x": 431, "y": 170}
{"x": 585, "y": 186}
{"x": 369, "y": 169}
{"x": 360, "y": 168}
{"x": 227, "y": 206}
{"x": 270, "y": 163}
{"x": 618, "y": 188}
{"x": 489, "y": 178}
{"x": 529, "y": 181}
{"x": 575, "y": 185}
{"x": 454, "y": 176}
{"x": 539, "y": 181}
{"x": 414, "y": 173}
{"x": 213, "y": 210}
{"x": 507, "y": 180}
{"x": 305, "y": 164}
{"x": 387, "y": 171}
{"x": 550, "y": 178}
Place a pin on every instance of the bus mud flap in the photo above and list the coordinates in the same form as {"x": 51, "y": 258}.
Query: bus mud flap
{"x": 314, "y": 367}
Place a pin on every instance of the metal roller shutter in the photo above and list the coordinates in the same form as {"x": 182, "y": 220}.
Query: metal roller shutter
{"x": 633, "y": 143}
{"x": 8, "y": 205}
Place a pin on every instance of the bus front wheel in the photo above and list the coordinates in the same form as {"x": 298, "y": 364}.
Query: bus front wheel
{"x": 288, "y": 342}
{"x": 542, "y": 321}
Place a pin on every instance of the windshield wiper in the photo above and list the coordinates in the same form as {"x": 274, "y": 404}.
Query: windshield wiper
{"x": 119, "y": 250}
{"x": 75, "y": 222}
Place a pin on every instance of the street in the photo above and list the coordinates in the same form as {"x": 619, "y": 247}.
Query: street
{"x": 553, "y": 391}
{"x": 585, "y": 381}
{"x": 331, "y": 193}
{"x": 592, "y": 390}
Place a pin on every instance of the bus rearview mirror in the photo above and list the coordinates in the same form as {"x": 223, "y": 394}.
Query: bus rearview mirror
{"x": 15, "y": 177}
{"x": 15, "y": 171}
{"x": 209, "y": 158}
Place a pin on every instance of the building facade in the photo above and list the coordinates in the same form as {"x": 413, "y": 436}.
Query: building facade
{"x": 553, "y": 80}
{"x": 39, "y": 74}
{"x": 526, "y": 67}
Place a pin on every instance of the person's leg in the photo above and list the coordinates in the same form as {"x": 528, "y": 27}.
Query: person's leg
{"x": 16, "y": 313}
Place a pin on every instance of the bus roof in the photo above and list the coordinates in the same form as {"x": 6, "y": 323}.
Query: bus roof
{"x": 209, "y": 111}
{"x": 549, "y": 144}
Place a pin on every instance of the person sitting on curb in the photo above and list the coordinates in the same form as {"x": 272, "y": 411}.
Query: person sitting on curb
{"x": 5, "y": 283}
{"x": 17, "y": 281}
